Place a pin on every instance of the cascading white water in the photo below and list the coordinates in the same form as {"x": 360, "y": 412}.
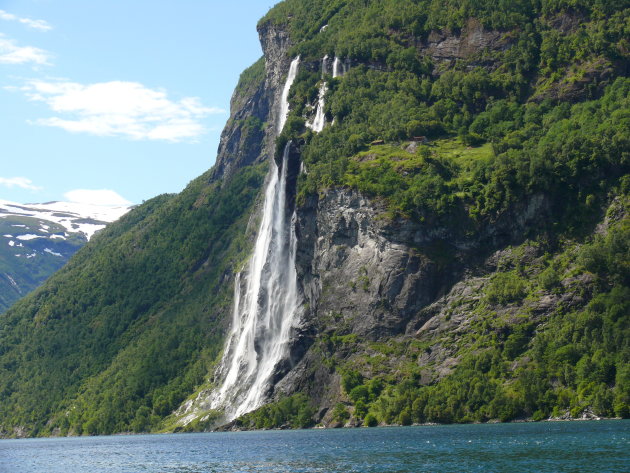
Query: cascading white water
{"x": 266, "y": 297}
{"x": 320, "y": 117}
{"x": 336, "y": 67}
{"x": 284, "y": 99}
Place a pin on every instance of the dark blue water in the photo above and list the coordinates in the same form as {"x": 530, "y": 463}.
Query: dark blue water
{"x": 542, "y": 447}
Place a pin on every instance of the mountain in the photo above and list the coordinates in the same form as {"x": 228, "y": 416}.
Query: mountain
{"x": 418, "y": 213}
{"x": 38, "y": 239}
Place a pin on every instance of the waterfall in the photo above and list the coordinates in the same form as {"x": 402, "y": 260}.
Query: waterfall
{"x": 319, "y": 121}
{"x": 336, "y": 64}
{"x": 284, "y": 99}
{"x": 266, "y": 297}
{"x": 320, "y": 117}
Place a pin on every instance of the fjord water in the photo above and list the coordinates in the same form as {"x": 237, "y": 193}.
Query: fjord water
{"x": 589, "y": 446}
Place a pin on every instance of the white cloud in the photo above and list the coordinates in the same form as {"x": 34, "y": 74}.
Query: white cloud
{"x": 11, "y": 53}
{"x": 21, "y": 182}
{"x": 40, "y": 25}
{"x": 96, "y": 197}
{"x": 119, "y": 108}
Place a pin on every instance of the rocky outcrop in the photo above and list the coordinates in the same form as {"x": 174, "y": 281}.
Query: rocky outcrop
{"x": 249, "y": 135}
{"x": 352, "y": 263}
{"x": 444, "y": 46}
{"x": 579, "y": 82}
{"x": 366, "y": 278}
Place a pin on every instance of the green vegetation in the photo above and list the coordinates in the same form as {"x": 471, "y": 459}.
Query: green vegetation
{"x": 533, "y": 138}
{"x": 523, "y": 367}
{"x": 127, "y": 330}
{"x": 294, "y": 412}
{"x": 250, "y": 78}
{"x": 27, "y": 273}
{"x": 133, "y": 325}
{"x": 544, "y": 117}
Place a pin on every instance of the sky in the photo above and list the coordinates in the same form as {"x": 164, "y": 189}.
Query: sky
{"x": 116, "y": 101}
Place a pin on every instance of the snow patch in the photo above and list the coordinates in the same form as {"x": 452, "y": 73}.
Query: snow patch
{"x": 28, "y": 236}
{"x": 11, "y": 243}
{"x": 48, "y": 250}
{"x": 74, "y": 217}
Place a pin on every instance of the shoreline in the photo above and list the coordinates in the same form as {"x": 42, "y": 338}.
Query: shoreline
{"x": 320, "y": 427}
{"x": 425, "y": 424}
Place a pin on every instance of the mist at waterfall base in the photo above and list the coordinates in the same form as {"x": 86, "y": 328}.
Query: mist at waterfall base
{"x": 266, "y": 299}
{"x": 587, "y": 447}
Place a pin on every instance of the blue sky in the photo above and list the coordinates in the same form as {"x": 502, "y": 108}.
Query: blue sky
{"x": 116, "y": 100}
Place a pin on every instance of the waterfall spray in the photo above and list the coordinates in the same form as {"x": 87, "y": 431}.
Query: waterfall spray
{"x": 336, "y": 65}
{"x": 266, "y": 296}
{"x": 319, "y": 121}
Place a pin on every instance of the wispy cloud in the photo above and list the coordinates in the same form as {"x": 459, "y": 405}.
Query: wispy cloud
{"x": 40, "y": 25}
{"x": 117, "y": 108}
{"x": 97, "y": 197}
{"x": 21, "y": 182}
{"x": 11, "y": 53}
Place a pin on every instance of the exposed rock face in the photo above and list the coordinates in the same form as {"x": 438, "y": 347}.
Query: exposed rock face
{"x": 444, "y": 46}
{"x": 245, "y": 141}
{"x": 371, "y": 278}
{"x": 594, "y": 76}
{"x": 350, "y": 254}
{"x": 240, "y": 145}
{"x": 362, "y": 274}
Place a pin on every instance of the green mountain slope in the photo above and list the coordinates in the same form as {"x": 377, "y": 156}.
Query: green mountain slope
{"x": 135, "y": 315}
{"x": 25, "y": 264}
{"x": 38, "y": 239}
{"x": 495, "y": 284}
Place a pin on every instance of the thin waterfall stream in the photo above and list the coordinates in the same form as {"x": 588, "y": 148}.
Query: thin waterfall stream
{"x": 319, "y": 121}
{"x": 266, "y": 296}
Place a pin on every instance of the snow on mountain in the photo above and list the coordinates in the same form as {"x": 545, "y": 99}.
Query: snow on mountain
{"x": 74, "y": 217}
{"x": 38, "y": 239}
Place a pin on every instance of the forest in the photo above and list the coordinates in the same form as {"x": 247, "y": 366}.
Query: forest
{"x": 133, "y": 326}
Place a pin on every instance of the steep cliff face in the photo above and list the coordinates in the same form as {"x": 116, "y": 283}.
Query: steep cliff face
{"x": 408, "y": 301}
{"x": 371, "y": 277}
{"x": 249, "y": 135}
{"x": 380, "y": 299}
{"x": 472, "y": 40}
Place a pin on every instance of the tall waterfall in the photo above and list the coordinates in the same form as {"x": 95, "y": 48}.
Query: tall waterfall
{"x": 266, "y": 297}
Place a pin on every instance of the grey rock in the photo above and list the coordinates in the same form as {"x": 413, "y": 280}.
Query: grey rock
{"x": 445, "y": 46}
{"x": 239, "y": 147}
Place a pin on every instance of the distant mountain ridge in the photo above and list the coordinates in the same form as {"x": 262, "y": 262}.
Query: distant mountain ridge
{"x": 38, "y": 239}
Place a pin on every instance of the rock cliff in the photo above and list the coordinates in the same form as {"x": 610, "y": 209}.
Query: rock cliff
{"x": 460, "y": 233}
{"x": 249, "y": 135}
